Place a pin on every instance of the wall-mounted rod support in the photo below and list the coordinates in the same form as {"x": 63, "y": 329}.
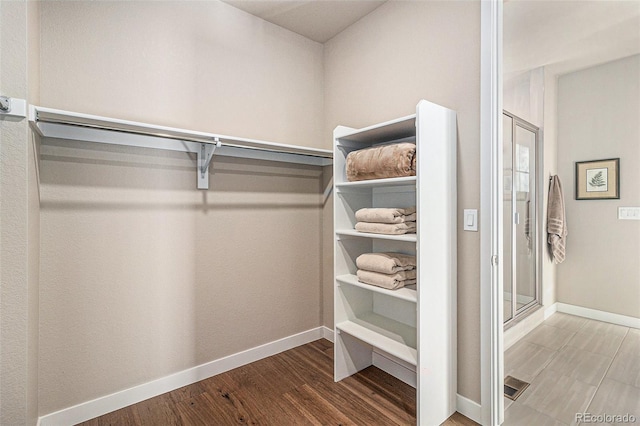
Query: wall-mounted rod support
{"x": 57, "y": 124}
{"x": 12, "y": 108}
{"x": 5, "y": 104}
{"x": 204, "y": 159}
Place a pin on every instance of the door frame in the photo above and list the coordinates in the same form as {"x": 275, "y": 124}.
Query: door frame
{"x": 491, "y": 281}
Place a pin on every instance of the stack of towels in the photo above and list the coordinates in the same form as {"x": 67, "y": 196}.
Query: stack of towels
{"x": 390, "y": 221}
{"x": 387, "y": 270}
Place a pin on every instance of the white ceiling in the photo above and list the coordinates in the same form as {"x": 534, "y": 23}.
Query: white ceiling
{"x": 318, "y": 20}
{"x": 566, "y": 36}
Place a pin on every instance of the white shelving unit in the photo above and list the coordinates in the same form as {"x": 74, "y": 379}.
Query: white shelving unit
{"x": 409, "y": 332}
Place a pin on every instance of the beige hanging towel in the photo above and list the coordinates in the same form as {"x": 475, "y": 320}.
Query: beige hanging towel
{"x": 556, "y": 221}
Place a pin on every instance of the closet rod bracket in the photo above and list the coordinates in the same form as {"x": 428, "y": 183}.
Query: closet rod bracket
{"x": 5, "y": 104}
{"x": 12, "y": 108}
{"x": 204, "y": 159}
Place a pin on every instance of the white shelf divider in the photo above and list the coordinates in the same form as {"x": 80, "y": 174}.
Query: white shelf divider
{"x": 404, "y": 293}
{"x": 390, "y": 336}
{"x": 353, "y": 233}
{"x": 378, "y": 183}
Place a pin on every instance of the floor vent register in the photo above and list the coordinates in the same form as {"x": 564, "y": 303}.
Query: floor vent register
{"x": 513, "y": 387}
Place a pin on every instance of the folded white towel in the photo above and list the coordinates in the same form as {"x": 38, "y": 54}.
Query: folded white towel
{"x": 386, "y": 215}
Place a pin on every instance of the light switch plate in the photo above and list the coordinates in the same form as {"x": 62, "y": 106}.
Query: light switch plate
{"x": 470, "y": 220}
{"x": 629, "y": 213}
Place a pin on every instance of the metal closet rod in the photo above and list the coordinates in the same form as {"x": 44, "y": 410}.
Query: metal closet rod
{"x": 88, "y": 128}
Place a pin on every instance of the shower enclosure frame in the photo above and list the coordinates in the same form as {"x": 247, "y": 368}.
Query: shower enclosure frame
{"x": 525, "y": 310}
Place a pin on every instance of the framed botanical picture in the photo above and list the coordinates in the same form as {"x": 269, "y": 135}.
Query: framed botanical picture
{"x": 598, "y": 179}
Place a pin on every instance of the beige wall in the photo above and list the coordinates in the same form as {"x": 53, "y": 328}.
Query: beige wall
{"x": 19, "y": 223}
{"x": 377, "y": 70}
{"x": 33, "y": 51}
{"x": 598, "y": 110}
{"x": 197, "y": 65}
{"x": 143, "y": 275}
{"x": 550, "y": 167}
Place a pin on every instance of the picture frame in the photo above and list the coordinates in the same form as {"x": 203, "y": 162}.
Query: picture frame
{"x": 598, "y": 179}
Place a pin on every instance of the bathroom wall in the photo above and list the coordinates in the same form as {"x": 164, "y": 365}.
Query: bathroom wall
{"x": 550, "y": 168}
{"x": 598, "y": 110}
{"x": 523, "y": 95}
{"x": 378, "y": 69}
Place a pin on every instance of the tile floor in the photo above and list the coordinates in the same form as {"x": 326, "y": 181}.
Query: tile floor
{"x": 574, "y": 365}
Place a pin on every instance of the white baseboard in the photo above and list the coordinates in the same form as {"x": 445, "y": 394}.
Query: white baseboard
{"x": 469, "y": 408}
{"x": 595, "y": 314}
{"x": 550, "y": 310}
{"x": 106, "y": 404}
{"x": 402, "y": 371}
{"x": 523, "y": 327}
{"x": 396, "y": 367}
{"x": 327, "y": 333}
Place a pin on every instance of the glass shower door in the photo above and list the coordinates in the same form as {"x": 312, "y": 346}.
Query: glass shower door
{"x": 520, "y": 243}
{"x": 507, "y": 234}
{"x": 525, "y": 217}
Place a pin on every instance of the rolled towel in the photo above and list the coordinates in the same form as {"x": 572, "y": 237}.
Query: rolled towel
{"x": 383, "y": 161}
{"x": 387, "y": 228}
{"x": 386, "y": 263}
{"x": 386, "y": 215}
{"x": 389, "y": 281}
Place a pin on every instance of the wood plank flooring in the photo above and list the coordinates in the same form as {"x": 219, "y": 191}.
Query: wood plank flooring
{"x": 295, "y": 387}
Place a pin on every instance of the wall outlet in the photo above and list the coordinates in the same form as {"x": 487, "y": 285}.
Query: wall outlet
{"x": 629, "y": 213}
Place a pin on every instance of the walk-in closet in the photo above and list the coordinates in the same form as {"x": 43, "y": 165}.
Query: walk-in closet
{"x": 178, "y": 233}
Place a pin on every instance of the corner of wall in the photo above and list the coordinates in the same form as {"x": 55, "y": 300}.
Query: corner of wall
{"x": 19, "y": 218}
{"x": 550, "y": 168}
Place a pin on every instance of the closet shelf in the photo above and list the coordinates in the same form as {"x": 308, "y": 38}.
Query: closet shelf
{"x": 393, "y": 130}
{"x": 379, "y": 183}
{"x": 411, "y": 238}
{"x": 406, "y": 293}
{"x": 391, "y": 336}
{"x": 53, "y": 123}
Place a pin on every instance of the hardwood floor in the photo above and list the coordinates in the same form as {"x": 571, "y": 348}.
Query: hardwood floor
{"x": 295, "y": 387}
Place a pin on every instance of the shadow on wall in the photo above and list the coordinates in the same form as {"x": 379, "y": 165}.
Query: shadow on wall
{"x": 139, "y": 178}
